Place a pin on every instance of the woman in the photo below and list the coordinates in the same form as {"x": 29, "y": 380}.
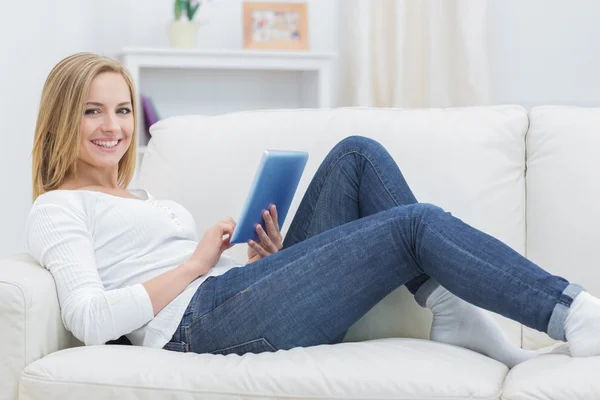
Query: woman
{"x": 128, "y": 264}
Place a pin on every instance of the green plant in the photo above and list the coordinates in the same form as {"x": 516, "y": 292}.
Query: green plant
{"x": 187, "y": 7}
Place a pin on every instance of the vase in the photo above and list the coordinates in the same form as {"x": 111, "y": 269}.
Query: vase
{"x": 183, "y": 34}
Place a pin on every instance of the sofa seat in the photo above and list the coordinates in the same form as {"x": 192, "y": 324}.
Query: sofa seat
{"x": 376, "y": 369}
{"x": 554, "y": 377}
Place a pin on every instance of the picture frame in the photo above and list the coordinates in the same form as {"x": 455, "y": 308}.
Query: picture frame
{"x": 275, "y": 26}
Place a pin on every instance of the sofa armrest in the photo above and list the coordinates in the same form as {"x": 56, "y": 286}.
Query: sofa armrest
{"x": 30, "y": 321}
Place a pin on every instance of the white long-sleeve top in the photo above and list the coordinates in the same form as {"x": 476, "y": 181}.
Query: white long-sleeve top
{"x": 100, "y": 248}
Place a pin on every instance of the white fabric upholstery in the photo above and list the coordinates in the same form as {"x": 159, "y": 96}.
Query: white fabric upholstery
{"x": 30, "y": 323}
{"x": 554, "y": 377}
{"x": 563, "y": 197}
{"x": 383, "y": 369}
{"x": 470, "y": 161}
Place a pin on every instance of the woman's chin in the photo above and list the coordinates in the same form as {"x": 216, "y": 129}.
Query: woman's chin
{"x": 105, "y": 159}
{"x": 104, "y": 162}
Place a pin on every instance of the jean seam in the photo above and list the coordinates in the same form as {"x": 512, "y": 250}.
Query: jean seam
{"x": 194, "y": 303}
{"x": 439, "y": 235}
{"x": 342, "y": 156}
{"x": 378, "y": 173}
{"x": 325, "y": 179}
{"x": 196, "y": 319}
{"x": 261, "y": 339}
{"x": 565, "y": 300}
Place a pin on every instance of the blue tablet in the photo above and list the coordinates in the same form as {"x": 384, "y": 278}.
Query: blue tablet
{"x": 275, "y": 182}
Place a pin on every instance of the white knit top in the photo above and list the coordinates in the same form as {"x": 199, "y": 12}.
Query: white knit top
{"x": 100, "y": 248}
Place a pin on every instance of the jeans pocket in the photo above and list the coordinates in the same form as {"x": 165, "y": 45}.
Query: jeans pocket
{"x": 254, "y": 346}
{"x": 176, "y": 346}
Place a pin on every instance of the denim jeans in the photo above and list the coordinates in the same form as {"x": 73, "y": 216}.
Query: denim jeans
{"x": 359, "y": 234}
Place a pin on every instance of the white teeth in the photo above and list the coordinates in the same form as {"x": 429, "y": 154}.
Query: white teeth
{"x": 108, "y": 145}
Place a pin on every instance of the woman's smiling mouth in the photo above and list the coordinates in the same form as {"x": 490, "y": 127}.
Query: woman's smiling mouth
{"x": 106, "y": 145}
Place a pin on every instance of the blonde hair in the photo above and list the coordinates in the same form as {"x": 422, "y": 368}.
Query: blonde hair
{"x": 57, "y": 131}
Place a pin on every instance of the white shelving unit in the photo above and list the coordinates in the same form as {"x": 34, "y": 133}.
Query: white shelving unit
{"x": 194, "y": 81}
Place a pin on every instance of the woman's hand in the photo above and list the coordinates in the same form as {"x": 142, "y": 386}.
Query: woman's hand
{"x": 269, "y": 242}
{"x": 211, "y": 246}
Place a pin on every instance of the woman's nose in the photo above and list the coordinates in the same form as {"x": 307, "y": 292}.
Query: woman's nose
{"x": 111, "y": 123}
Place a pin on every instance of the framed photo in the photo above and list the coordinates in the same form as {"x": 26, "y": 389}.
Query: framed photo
{"x": 275, "y": 26}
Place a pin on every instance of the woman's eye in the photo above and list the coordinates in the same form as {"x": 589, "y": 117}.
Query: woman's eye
{"x": 124, "y": 110}
{"x": 92, "y": 111}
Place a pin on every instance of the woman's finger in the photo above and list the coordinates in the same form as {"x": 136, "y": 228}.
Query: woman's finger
{"x": 273, "y": 210}
{"x": 265, "y": 240}
{"x": 258, "y": 248}
{"x": 231, "y": 221}
{"x": 226, "y": 243}
{"x": 276, "y": 236}
{"x": 271, "y": 228}
{"x": 274, "y": 233}
{"x": 226, "y": 227}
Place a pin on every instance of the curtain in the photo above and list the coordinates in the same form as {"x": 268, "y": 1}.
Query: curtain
{"x": 414, "y": 53}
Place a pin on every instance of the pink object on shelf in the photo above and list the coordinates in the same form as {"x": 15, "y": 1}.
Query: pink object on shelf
{"x": 150, "y": 117}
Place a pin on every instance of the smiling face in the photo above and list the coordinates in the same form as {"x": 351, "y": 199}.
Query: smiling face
{"x": 107, "y": 125}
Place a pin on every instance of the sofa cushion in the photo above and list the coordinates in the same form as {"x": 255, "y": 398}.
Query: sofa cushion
{"x": 470, "y": 161}
{"x": 379, "y": 369}
{"x": 563, "y": 197}
{"x": 554, "y": 377}
{"x": 30, "y": 323}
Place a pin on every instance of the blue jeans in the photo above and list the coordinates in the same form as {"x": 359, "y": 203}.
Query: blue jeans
{"x": 358, "y": 234}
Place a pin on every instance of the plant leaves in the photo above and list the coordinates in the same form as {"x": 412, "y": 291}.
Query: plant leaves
{"x": 178, "y": 9}
{"x": 192, "y": 10}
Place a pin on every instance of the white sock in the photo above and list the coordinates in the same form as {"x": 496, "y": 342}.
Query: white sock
{"x": 462, "y": 324}
{"x": 582, "y": 326}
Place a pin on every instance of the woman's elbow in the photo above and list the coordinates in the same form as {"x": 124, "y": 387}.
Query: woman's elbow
{"x": 85, "y": 325}
{"x": 82, "y": 330}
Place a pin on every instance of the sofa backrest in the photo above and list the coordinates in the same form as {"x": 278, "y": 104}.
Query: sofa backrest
{"x": 563, "y": 197}
{"x": 470, "y": 161}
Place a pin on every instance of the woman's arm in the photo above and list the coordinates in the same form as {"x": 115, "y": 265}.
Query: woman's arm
{"x": 59, "y": 239}
{"x": 166, "y": 287}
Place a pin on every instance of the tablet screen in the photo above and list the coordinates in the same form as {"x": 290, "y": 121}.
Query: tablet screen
{"x": 275, "y": 182}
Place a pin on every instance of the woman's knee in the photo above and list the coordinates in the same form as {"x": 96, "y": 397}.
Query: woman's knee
{"x": 359, "y": 143}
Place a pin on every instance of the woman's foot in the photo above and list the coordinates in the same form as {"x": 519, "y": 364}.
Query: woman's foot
{"x": 582, "y": 326}
{"x": 462, "y": 324}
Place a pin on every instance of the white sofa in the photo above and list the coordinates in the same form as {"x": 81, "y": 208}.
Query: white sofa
{"x": 530, "y": 179}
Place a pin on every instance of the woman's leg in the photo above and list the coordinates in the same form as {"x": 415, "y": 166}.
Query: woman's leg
{"x": 310, "y": 293}
{"x": 359, "y": 178}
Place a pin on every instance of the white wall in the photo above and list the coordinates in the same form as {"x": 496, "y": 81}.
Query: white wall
{"x": 542, "y": 51}
{"x": 545, "y": 51}
{"x": 27, "y": 55}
